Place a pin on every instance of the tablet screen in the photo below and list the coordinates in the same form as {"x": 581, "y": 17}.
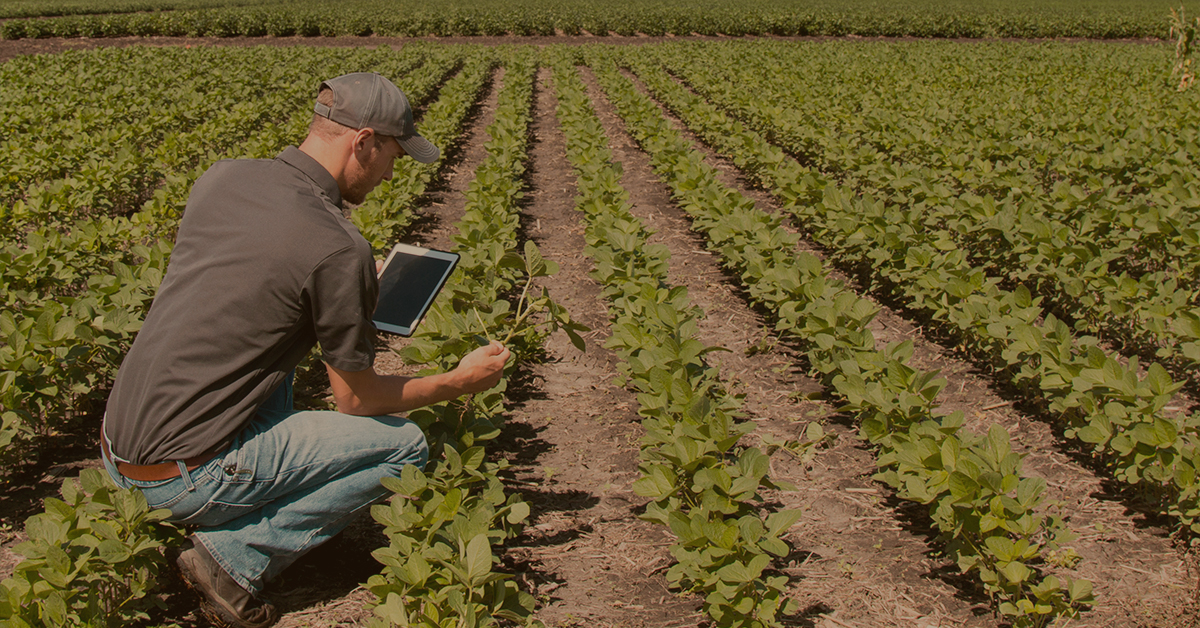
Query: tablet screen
{"x": 410, "y": 279}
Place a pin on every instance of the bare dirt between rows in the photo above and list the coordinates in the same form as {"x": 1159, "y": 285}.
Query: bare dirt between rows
{"x": 861, "y": 558}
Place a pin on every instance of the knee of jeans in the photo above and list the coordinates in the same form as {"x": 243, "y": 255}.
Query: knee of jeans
{"x": 422, "y": 453}
{"x": 414, "y": 451}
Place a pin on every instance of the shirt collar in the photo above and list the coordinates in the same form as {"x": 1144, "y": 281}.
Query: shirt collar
{"x": 301, "y": 161}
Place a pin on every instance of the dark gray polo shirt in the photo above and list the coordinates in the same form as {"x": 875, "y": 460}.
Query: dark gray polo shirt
{"x": 264, "y": 267}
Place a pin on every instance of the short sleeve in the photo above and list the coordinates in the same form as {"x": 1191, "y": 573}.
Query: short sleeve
{"x": 341, "y": 294}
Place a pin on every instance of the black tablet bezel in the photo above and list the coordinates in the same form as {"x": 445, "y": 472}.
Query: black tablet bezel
{"x": 410, "y": 250}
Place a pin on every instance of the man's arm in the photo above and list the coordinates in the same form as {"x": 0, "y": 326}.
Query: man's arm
{"x": 367, "y": 393}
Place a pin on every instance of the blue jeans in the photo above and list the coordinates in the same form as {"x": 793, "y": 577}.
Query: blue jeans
{"x": 289, "y": 482}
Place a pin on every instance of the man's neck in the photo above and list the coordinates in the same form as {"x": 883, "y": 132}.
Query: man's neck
{"x": 332, "y": 156}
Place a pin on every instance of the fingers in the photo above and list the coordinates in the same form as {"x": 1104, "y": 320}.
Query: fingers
{"x": 484, "y": 366}
{"x": 498, "y": 349}
{"x": 494, "y": 348}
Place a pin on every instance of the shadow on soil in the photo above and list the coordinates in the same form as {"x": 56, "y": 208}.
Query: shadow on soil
{"x": 544, "y": 501}
{"x": 914, "y": 519}
{"x": 48, "y": 462}
{"x": 333, "y": 570}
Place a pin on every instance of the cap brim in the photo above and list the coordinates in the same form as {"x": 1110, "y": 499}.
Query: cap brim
{"x": 420, "y": 149}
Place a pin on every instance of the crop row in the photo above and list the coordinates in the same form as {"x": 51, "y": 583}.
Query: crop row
{"x": 51, "y": 8}
{"x": 649, "y": 17}
{"x": 985, "y": 510}
{"x": 702, "y": 483}
{"x": 120, "y": 159}
{"x": 1100, "y": 400}
{"x": 1097, "y": 213}
{"x": 444, "y": 520}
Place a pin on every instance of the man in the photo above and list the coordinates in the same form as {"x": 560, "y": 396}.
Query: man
{"x": 265, "y": 266}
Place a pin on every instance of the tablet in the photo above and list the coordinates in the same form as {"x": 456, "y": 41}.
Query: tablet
{"x": 410, "y": 279}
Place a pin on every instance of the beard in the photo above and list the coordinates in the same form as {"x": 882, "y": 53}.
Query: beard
{"x": 359, "y": 186}
{"x": 356, "y": 194}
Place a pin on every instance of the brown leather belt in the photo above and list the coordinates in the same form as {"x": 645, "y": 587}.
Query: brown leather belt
{"x": 155, "y": 472}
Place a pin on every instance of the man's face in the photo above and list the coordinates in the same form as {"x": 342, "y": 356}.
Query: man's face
{"x": 374, "y": 169}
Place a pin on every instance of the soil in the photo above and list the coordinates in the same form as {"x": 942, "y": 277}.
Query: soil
{"x": 861, "y": 558}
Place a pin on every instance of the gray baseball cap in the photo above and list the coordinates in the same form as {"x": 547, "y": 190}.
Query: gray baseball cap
{"x": 367, "y": 100}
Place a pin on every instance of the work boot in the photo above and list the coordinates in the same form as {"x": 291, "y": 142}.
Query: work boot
{"x": 224, "y": 601}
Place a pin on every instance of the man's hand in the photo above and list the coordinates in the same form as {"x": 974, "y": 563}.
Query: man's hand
{"x": 367, "y": 393}
{"x": 482, "y": 368}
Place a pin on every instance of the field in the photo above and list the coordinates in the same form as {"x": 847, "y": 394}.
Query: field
{"x": 830, "y": 333}
{"x": 1104, "y": 19}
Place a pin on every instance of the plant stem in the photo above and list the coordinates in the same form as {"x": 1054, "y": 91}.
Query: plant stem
{"x": 519, "y": 316}
{"x": 479, "y": 318}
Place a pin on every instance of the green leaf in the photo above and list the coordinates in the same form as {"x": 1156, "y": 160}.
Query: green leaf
{"x": 1080, "y": 591}
{"x": 1016, "y": 572}
{"x": 94, "y": 480}
{"x": 113, "y": 552}
{"x": 533, "y": 259}
{"x": 130, "y": 505}
{"x": 575, "y": 338}
{"x": 454, "y": 463}
{"x": 774, "y": 546}
{"x": 951, "y": 448}
{"x": 70, "y": 491}
{"x": 392, "y": 610}
{"x": 1000, "y": 547}
{"x": 1029, "y": 491}
{"x": 751, "y": 528}
{"x": 478, "y": 559}
{"x": 416, "y": 570}
{"x": 473, "y": 457}
{"x": 658, "y": 484}
{"x": 511, "y": 259}
{"x": 962, "y": 487}
{"x": 735, "y": 572}
{"x": 782, "y": 521}
{"x": 56, "y": 609}
{"x": 518, "y": 512}
{"x": 998, "y": 441}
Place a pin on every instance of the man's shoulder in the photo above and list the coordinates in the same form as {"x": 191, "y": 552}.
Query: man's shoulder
{"x": 265, "y": 180}
{"x": 228, "y": 167}
{"x": 289, "y": 174}
{"x": 234, "y": 175}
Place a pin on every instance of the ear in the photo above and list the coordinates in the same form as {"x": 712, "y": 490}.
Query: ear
{"x": 363, "y": 143}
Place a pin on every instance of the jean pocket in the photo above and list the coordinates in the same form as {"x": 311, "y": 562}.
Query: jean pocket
{"x": 239, "y": 465}
{"x": 227, "y": 490}
{"x": 162, "y": 493}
